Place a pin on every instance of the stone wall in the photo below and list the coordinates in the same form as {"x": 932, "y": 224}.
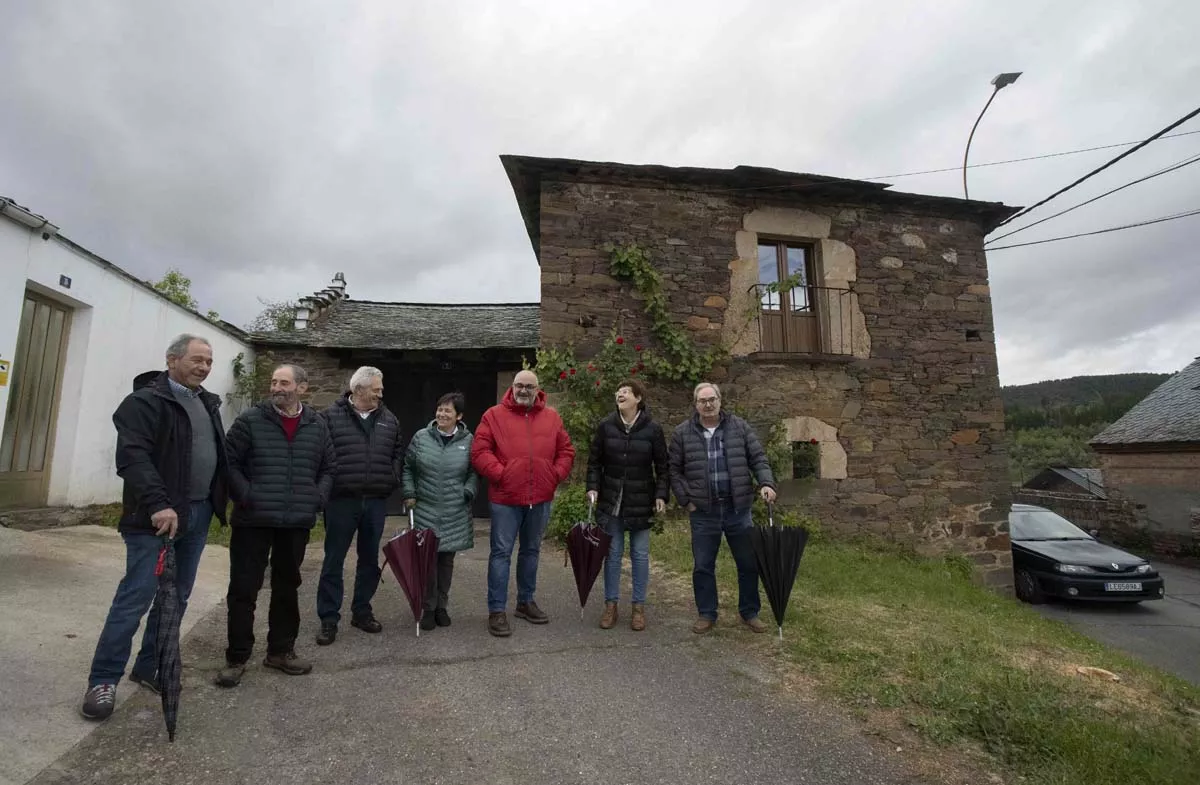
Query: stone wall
{"x": 327, "y": 379}
{"x": 1164, "y": 490}
{"x": 910, "y": 423}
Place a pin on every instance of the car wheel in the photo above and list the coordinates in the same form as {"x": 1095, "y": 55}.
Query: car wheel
{"x": 1028, "y": 589}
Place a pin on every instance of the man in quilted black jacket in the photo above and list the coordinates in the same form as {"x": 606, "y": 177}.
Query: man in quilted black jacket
{"x": 716, "y": 460}
{"x": 281, "y": 468}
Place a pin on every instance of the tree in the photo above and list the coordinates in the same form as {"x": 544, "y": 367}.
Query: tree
{"x": 277, "y": 316}
{"x": 177, "y": 288}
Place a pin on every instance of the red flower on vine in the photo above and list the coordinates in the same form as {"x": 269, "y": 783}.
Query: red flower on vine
{"x": 562, "y": 375}
{"x": 812, "y": 441}
{"x": 633, "y": 371}
{"x": 597, "y": 382}
{"x": 638, "y": 348}
{"x": 591, "y": 367}
{"x": 620, "y": 340}
{"x": 572, "y": 371}
{"x": 641, "y": 366}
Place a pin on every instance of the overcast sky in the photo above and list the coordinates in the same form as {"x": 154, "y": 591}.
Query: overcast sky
{"x": 261, "y": 147}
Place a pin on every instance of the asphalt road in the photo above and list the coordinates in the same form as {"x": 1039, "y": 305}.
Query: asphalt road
{"x": 1164, "y": 633}
{"x": 561, "y": 703}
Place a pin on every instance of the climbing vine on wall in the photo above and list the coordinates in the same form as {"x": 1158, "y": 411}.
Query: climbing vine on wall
{"x": 250, "y": 380}
{"x": 681, "y": 360}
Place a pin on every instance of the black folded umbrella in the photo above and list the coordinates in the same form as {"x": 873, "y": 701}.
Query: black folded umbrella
{"x": 166, "y": 644}
{"x": 778, "y": 550}
{"x": 587, "y": 548}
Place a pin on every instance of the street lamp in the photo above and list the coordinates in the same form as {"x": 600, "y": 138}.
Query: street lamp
{"x": 1001, "y": 81}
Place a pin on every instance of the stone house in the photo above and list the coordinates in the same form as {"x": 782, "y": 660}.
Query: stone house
{"x": 1151, "y": 461}
{"x": 882, "y": 353}
{"x": 423, "y": 350}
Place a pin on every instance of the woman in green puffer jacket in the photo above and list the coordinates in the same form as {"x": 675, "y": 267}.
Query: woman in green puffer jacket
{"x": 439, "y": 486}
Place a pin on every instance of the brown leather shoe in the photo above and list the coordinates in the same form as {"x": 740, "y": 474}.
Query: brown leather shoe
{"x": 609, "y": 618}
{"x": 530, "y": 612}
{"x": 498, "y": 624}
{"x": 703, "y": 625}
{"x": 756, "y": 624}
{"x": 289, "y": 663}
{"x": 637, "y": 621}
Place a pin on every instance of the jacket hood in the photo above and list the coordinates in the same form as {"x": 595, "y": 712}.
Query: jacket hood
{"x": 145, "y": 379}
{"x": 510, "y": 401}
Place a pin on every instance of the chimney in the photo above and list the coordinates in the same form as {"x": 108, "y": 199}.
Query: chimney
{"x": 309, "y": 309}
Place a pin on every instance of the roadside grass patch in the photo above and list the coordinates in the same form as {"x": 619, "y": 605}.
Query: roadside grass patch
{"x": 898, "y": 635}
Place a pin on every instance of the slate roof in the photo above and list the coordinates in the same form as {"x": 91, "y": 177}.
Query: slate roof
{"x": 1090, "y": 480}
{"x": 1169, "y": 415}
{"x": 526, "y": 174}
{"x": 362, "y": 324}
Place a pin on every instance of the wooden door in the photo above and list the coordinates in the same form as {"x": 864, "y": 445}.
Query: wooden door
{"x": 26, "y": 447}
{"x": 788, "y": 317}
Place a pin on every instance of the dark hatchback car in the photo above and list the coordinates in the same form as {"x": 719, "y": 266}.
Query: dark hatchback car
{"x": 1053, "y": 557}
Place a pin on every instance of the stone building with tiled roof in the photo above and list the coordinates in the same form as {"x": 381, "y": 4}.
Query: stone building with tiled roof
{"x": 1151, "y": 458}
{"x": 424, "y": 351}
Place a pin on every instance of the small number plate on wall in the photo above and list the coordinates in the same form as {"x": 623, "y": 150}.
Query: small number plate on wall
{"x": 64, "y": 281}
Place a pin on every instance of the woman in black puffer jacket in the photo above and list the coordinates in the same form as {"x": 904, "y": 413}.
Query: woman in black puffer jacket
{"x": 627, "y": 479}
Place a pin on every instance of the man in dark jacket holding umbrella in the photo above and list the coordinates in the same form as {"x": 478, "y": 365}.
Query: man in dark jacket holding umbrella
{"x": 716, "y": 460}
{"x": 370, "y": 457}
{"x": 171, "y": 455}
{"x": 281, "y": 467}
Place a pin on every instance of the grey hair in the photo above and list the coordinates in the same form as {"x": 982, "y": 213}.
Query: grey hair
{"x": 179, "y": 344}
{"x": 696, "y": 390}
{"x": 299, "y": 375}
{"x": 363, "y": 376}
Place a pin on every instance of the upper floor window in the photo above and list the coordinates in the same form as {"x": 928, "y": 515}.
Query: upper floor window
{"x": 789, "y": 315}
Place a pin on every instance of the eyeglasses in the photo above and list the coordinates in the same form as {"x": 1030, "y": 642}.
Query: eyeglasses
{"x": 525, "y": 386}
{"x": 707, "y": 401}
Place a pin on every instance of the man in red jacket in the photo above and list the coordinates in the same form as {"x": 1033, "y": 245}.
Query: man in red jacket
{"x": 523, "y": 450}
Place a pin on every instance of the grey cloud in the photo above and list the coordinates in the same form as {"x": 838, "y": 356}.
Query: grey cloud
{"x": 260, "y": 150}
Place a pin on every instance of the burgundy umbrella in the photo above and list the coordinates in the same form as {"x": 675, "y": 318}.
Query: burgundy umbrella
{"x": 587, "y": 547}
{"x": 412, "y": 555}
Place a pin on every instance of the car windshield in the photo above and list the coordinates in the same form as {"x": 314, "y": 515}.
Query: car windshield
{"x": 1042, "y": 525}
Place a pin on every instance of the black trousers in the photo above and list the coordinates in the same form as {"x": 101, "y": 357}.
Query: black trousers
{"x": 437, "y": 588}
{"x": 251, "y": 548}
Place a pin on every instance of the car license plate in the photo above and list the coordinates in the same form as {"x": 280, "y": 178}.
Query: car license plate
{"x": 1122, "y": 587}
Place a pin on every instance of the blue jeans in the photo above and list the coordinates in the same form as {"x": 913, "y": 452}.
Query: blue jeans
{"x": 510, "y": 524}
{"x": 639, "y": 558}
{"x": 707, "y": 528}
{"x": 344, "y": 518}
{"x": 136, "y": 593}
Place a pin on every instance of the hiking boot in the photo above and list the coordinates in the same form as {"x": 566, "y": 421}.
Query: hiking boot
{"x": 756, "y": 624}
{"x": 328, "y": 633}
{"x": 498, "y": 624}
{"x": 428, "y": 622}
{"x": 231, "y": 675}
{"x": 637, "y": 621}
{"x": 98, "y": 702}
{"x": 441, "y": 617}
{"x": 530, "y": 612}
{"x": 609, "y": 617}
{"x": 703, "y": 625}
{"x": 367, "y": 623}
{"x": 143, "y": 682}
{"x": 289, "y": 663}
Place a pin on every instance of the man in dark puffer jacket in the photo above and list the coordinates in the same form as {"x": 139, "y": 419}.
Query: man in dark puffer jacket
{"x": 716, "y": 459}
{"x": 370, "y": 457}
{"x": 281, "y": 466}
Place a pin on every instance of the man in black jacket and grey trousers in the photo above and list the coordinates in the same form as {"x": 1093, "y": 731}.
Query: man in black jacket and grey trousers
{"x": 715, "y": 462}
{"x": 370, "y": 458}
{"x": 281, "y": 465}
{"x": 171, "y": 455}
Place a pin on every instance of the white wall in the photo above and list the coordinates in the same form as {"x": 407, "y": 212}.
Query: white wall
{"x": 118, "y": 330}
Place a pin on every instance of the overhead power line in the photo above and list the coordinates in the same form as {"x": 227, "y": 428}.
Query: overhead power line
{"x": 1100, "y": 169}
{"x": 1172, "y": 168}
{"x": 1100, "y": 231}
{"x": 800, "y": 186}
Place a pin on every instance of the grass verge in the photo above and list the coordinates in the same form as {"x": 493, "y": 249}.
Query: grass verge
{"x": 110, "y": 515}
{"x": 903, "y": 637}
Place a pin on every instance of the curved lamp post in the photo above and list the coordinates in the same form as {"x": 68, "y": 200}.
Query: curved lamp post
{"x": 1001, "y": 81}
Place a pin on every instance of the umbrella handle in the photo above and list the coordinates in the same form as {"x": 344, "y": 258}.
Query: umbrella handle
{"x": 411, "y": 519}
{"x": 591, "y": 512}
{"x": 771, "y": 514}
